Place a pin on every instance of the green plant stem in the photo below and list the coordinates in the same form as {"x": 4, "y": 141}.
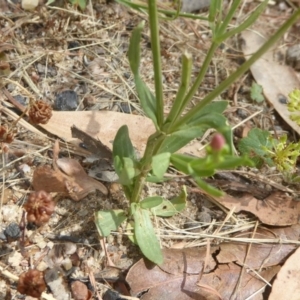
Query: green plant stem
{"x": 174, "y": 13}
{"x": 155, "y": 46}
{"x": 185, "y": 81}
{"x": 154, "y": 140}
{"x": 197, "y": 82}
{"x": 241, "y": 70}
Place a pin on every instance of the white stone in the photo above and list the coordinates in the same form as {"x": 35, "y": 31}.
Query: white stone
{"x": 30, "y": 4}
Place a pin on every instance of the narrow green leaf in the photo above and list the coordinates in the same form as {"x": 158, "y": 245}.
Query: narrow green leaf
{"x": 208, "y": 188}
{"x": 122, "y": 145}
{"x": 181, "y": 162}
{"x": 147, "y": 99}
{"x": 151, "y": 202}
{"x": 178, "y": 104}
{"x": 160, "y": 164}
{"x": 146, "y": 237}
{"x": 134, "y": 52}
{"x": 229, "y": 15}
{"x": 247, "y": 23}
{"x": 175, "y": 141}
{"x": 108, "y": 220}
{"x": 217, "y": 107}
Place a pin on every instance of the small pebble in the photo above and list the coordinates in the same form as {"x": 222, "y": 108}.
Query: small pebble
{"x": 10, "y": 213}
{"x": 29, "y": 4}
{"x": 66, "y": 101}
{"x": 22, "y": 100}
{"x": 12, "y": 231}
{"x": 72, "y": 45}
{"x": 2, "y": 236}
{"x": 204, "y": 217}
{"x": 242, "y": 113}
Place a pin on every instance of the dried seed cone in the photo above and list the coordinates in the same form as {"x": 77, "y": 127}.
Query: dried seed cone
{"x": 40, "y": 112}
{"x": 39, "y": 207}
{"x": 31, "y": 283}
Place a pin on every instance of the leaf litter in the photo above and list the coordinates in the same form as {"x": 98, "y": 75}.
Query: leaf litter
{"x": 48, "y": 70}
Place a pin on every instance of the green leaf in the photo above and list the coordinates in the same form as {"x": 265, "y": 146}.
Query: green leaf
{"x": 169, "y": 208}
{"x": 181, "y": 162}
{"x": 246, "y": 23}
{"x": 256, "y": 93}
{"x": 255, "y": 145}
{"x": 122, "y": 145}
{"x": 178, "y": 104}
{"x": 213, "y": 107}
{"x": 147, "y": 99}
{"x": 208, "y": 188}
{"x": 126, "y": 171}
{"x": 151, "y": 202}
{"x": 146, "y": 236}
{"x": 134, "y": 52}
{"x": 108, "y": 220}
{"x": 160, "y": 164}
{"x": 80, "y": 3}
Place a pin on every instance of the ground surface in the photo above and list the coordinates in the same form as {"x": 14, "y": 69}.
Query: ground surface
{"x": 54, "y": 49}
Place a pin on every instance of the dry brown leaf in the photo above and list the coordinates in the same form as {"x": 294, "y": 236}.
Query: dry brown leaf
{"x": 287, "y": 284}
{"x": 277, "y": 209}
{"x": 181, "y": 277}
{"x": 67, "y": 176}
{"x": 225, "y": 279}
{"x": 276, "y": 80}
{"x": 176, "y": 278}
{"x": 260, "y": 255}
{"x": 103, "y": 125}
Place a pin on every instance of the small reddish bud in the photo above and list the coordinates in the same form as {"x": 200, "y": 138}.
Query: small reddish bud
{"x": 32, "y": 283}
{"x": 217, "y": 142}
{"x": 39, "y": 207}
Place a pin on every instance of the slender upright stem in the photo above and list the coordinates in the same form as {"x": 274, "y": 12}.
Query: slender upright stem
{"x": 155, "y": 46}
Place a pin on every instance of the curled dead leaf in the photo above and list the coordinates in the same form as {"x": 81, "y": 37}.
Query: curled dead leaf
{"x": 67, "y": 176}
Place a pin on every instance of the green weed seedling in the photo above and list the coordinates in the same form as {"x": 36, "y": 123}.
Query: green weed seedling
{"x": 263, "y": 148}
{"x": 178, "y": 128}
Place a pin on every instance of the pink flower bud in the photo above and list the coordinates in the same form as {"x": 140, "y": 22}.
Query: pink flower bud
{"x": 217, "y": 142}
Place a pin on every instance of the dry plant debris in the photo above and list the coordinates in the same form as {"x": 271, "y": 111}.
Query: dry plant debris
{"x": 32, "y": 283}
{"x": 51, "y": 50}
{"x": 39, "y": 207}
{"x": 67, "y": 176}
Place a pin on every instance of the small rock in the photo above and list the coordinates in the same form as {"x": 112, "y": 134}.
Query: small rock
{"x": 204, "y": 217}
{"x": 73, "y": 44}
{"x": 12, "y": 231}
{"x": 293, "y": 56}
{"x": 10, "y": 213}
{"x": 22, "y": 100}
{"x": 189, "y": 6}
{"x": 242, "y": 113}
{"x": 2, "y": 236}
{"x": 29, "y": 4}
{"x": 66, "y": 100}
